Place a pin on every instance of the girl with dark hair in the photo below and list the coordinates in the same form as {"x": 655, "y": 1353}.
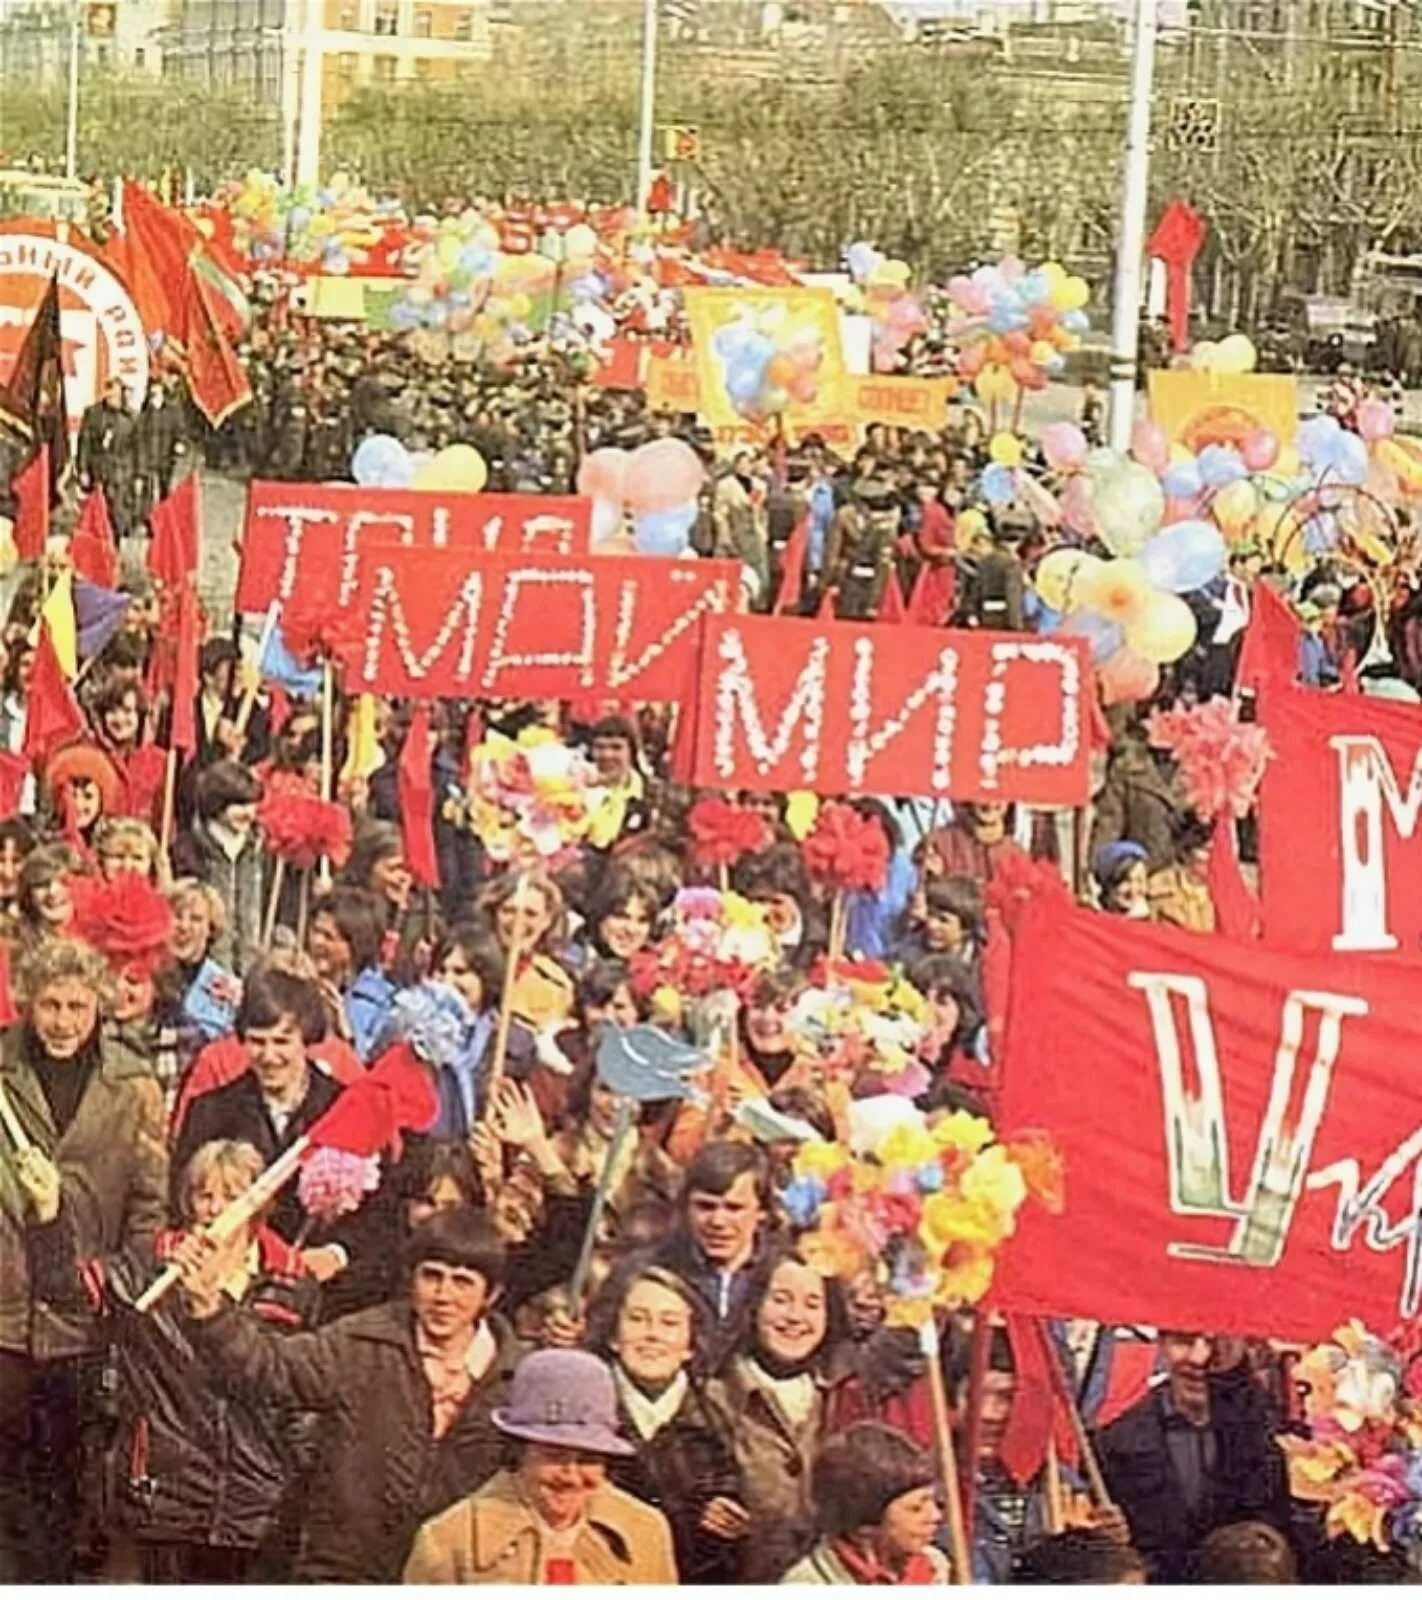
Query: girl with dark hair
{"x": 527, "y": 913}
{"x": 620, "y": 920}
{"x": 344, "y": 940}
{"x": 223, "y": 848}
{"x": 43, "y": 898}
{"x": 468, "y": 961}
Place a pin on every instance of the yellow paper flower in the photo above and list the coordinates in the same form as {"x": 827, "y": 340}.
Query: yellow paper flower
{"x": 818, "y": 1159}
{"x": 950, "y": 1219}
{"x": 1357, "y": 1516}
{"x": 831, "y": 1252}
{"x": 1314, "y": 1466}
{"x": 966, "y": 1275}
{"x": 907, "y": 1313}
{"x": 801, "y": 809}
{"x": 907, "y": 1146}
{"x": 995, "y": 1180}
{"x": 666, "y": 1004}
{"x": 962, "y": 1131}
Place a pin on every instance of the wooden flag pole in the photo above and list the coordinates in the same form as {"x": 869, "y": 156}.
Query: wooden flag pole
{"x": 515, "y": 955}
{"x": 170, "y": 795}
{"x": 249, "y": 694}
{"x": 962, "y": 1567}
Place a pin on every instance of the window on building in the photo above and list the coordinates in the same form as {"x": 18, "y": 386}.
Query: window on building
{"x": 387, "y": 17}
{"x": 385, "y": 69}
{"x": 346, "y": 67}
{"x": 424, "y": 24}
{"x": 348, "y": 20}
{"x": 424, "y": 68}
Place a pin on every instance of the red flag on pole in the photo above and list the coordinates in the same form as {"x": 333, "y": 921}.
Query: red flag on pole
{"x": 31, "y": 485}
{"x": 93, "y": 548}
{"x": 892, "y": 607}
{"x": 417, "y": 800}
{"x": 185, "y": 674}
{"x": 1269, "y": 655}
{"x": 173, "y": 553}
{"x": 1237, "y": 911}
{"x": 216, "y": 380}
{"x": 826, "y": 613}
{"x": 52, "y": 714}
{"x": 792, "y": 577}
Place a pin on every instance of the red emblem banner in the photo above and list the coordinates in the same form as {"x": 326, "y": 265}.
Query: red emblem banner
{"x": 843, "y": 708}
{"x": 1239, "y": 1128}
{"x": 310, "y": 535}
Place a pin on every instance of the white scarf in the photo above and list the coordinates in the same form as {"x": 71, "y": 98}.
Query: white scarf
{"x": 795, "y": 1396}
{"x": 649, "y": 1414}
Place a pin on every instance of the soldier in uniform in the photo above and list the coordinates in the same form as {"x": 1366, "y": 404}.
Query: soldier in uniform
{"x": 162, "y": 440}
{"x": 106, "y": 456}
{"x": 861, "y": 546}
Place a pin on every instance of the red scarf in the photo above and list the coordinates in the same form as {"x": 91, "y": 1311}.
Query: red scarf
{"x": 866, "y": 1568}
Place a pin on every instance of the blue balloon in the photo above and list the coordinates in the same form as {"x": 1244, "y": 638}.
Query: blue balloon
{"x": 476, "y": 260}
{"x": 1106, "y": 638}
{"x": 757, "y": 348}
{"x": 1220, "y": 464}
{"x": 1349, "y": 463}
{"x": 1317, "y": 439}
{"x": 742, "y": 383}
{"x": 436, "y": 314}
{"x": 297, "y": 218}
{"x": 997, "y": 485}
{"x": 728, "y": 342}
{"x": 382, "y": 462}
{"x": 403, "y": 316}
{"x": 1075, "y": 321}
{"x": 1034, "y": 287}
{"x": 1005, "y": 316}
{"x": 1320, "y": 533}
{"x": 862, "y": 258}
{"x": 663, "y": 533}
{"x": 1183, "y": 480}
{"x": 1184, "y": 556}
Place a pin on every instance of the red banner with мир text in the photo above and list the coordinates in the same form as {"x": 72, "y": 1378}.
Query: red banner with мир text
{"x": 848, "y": 708}
{"x": 1239, "y": 1126}
{"x": 308, "y": 537}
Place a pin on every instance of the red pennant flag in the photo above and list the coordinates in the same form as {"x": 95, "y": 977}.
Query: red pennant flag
{"x": 185, "y": 674}
{"x": 31, "y": 486}
{"x": 792, "y": 577}
{"x": 826, "y": 611}
{"x": 13, "y": 771}
{"x": 1037, "y": 1413}
{"x": 216, "y": 380}
{"x": 934, "y": 595}
{"x": 93, "y": 548}
{"x": 173, "y": 553}
{"x": 1270, "y": 652}
{"x": 891, "y": 606}
{"x": 52, "y": 714}
{"x": 1237, "y": 914}
{"x": 417, "y": 800}
{"x": 1176, "y": 241}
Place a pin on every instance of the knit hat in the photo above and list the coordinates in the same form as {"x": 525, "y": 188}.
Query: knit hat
{"x": 860, "y": 1473}
{"x": 1111, "y": 860}
{"x": 86, "y": 762}
{"x": 564, "y": 1398}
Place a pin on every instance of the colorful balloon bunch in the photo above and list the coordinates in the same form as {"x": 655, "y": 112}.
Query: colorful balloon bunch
{"x": 1014, "y": 328}
{"x": 330, "y": 229}
{"x": 769, "y": 362}
{"x": 380, "y": 461}
{"x": 657, "y": 484}
{"x": 895, "y": 312}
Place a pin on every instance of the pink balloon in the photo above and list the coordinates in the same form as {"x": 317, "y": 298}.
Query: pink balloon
{"x": 1150, "y": 446}
{"x": 663, "y": 474}
{"x": 1076, "y": 506}
{"x": 1374, "y": 420}
{"x": 1260, "y": 450}
{"x": 1127, "y": 676}
{"x": 603, "y": 475}
{"x": 1064, "y": 446}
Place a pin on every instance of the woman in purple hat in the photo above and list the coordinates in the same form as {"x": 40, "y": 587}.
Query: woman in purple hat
{"x": 553, "y": 1517}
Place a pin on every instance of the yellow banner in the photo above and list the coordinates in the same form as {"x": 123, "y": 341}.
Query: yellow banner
{"x": 673, "y": 383}
{"x": 899, "y": 402}
{"x": 766, "y": 352}
{"x": 1200, "y": 408}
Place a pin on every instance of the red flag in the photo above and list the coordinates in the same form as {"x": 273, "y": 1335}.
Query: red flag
{"x": 792, "y": 576}
{"x": 826, "y": 612}
{"x": 1176, "y": 241}
{"x": 93, "y": 549}
{"x": 417, "y": 800}
{"x": 891, "y": 606}
{"x": 31, "y": 486}
{"x": 153, "y": 259}
{"x": 396, "y": 1096}
{"x": 216, "y": 380}
{"x": 934, "y": 595}
{"x": 13, "y": 771}
{"x": 32, "y": 399}
{"x": 185, "y": 674}
{"x": 52, "y": 714}
{"x": 1037, "y": 1411}
{"x": 1237, "y": 911}
{"x": 173, "y": 552}
{"x": 1270, "y": 652}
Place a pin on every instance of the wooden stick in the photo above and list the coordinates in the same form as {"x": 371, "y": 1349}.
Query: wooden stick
{"x": 18, "y": 1137}
{"x": 249, "y": 694}
{"x": 1099, "y": 1492}
{"x": 626, "y": 1112}
{"x": 303, "y": 907}
{"x": 515, "y": 955}
{"x": 1054, "y": 1487}
{"x": 972, "y": 1433}
{"x": 328, "y": 758}
{"x": 170, "y": 795}
{"x": 273, "y": 901}
{"x": 961, "y": 1561}
{"x": 236, "y": 1216}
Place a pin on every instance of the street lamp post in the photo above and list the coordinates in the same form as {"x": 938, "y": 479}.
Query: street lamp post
{"x": 1130, "y": 243}
{"x": 308, "y": 133}
{"x": 649, "y": 104}
{"x": 71, "y": 119}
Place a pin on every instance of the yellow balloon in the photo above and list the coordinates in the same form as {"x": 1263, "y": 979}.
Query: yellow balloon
{"x": 457, "y": 469}
{"x": 1179, "y": 453}
{"x": 1062, "y": 574}
{"x": 519, "y": 306}
{"x": 1042, "y": 351}
{"x": 972, "y": 524}
{"x": 1236, "y": 354}
{"x": 1005, "y": 449}
{"x": 890, "y": 275}
{"x": 447, "y": 251}
{"x": 1071, "y": 294}
{"x": 1163, "y": 630}
{"x": 995, "y": 383}
{"x": 1204, "y": 356}
{"x": 1234, "y": 508}
{"x": 1118, "y": 589}
{"x": 1055, "y": 274}
{"x": 801, "y": 809}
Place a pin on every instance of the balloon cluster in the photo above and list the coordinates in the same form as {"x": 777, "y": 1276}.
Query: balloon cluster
{"x": 380, "y": 461}
{"x": 657, "y": 484}
{"x": 1013, "y": 327}
{"x": 330, "y": 229}
{"x": 895, "y": 312}
{"x": 769, "y": 361}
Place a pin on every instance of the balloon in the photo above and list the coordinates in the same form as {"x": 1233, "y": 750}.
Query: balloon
{"x": 894, "y": 274}
{"x": 1350, "y": 459}
{"x": 1259, "y": 450}
{"x": 1235, "y": 354}
{"x": 380, "y": 461}
{"x": 862, "y": 258}
{"x": 1150, "y": 446}
{"x": 1183, "y": 481}
{"x": 997, "y": 485}
{"x": 1064, "y": 446}
{"x": 743, "y": 383}
{"x": 1374, "y": 420}
{"x": 1005, "y": 449}
{"x": 780, "y": 370}
{"x": 1204, "y": 355}
{"x": 1163, "y": 630}
{"x": 1060, "y": 575}
{"x": 580, "y": 241}
{"x": 1316, "y": 439}
{"x": 1127, "y": 676}
{"x": 1219, "y": 465}
{"x": 606, "y": 521}
{"x": 1128, "y": 507}
{"x": 994, "y": 383}
{"x": 972, "y": 524}
{"x": 1117, "y": 589}
{"x": 1104, "y": 636}
{"x": 1184, "y": 557}
{"x": 457, "y": 469}
{"x": 603, "y": 475}
{"x": 663, "y": 533}
{"x": 1071, "y": 295}
{"x": 663, "y": 474}
{"x": 1234, "y": 508}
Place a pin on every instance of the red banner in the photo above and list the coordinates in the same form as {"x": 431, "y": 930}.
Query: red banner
{"x": 310, "y": 535}
{"x": 1239, "y": 1128}
{"x": 1359, "y": 762}
{"x": 843, "y": 708}
{"x": 449, "y": 622}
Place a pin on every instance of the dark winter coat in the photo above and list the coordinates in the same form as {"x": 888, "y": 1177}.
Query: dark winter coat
{"x": 239, "y": 883}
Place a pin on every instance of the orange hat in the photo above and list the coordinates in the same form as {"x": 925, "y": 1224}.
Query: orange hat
{"x": 89, "y": 762}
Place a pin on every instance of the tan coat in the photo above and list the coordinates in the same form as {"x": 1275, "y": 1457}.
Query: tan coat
{"x": 492, "y": 1537}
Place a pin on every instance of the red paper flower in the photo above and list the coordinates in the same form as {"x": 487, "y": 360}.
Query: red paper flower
{"x": 300, "y": 829}
{"x": 125, "y": 918}
{"x": 313, "y": 628}
{"x": 721, "y": 833}
{"x": 823, "y": 973}
{"x": 846, "y": 850}
{"x": 1016, "y": 882}
{"x": 1221, "y": 760}
{"x": 396, "y": 1096}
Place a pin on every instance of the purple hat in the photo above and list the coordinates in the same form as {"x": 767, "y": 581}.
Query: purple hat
{"x": 564, "y": 1398}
